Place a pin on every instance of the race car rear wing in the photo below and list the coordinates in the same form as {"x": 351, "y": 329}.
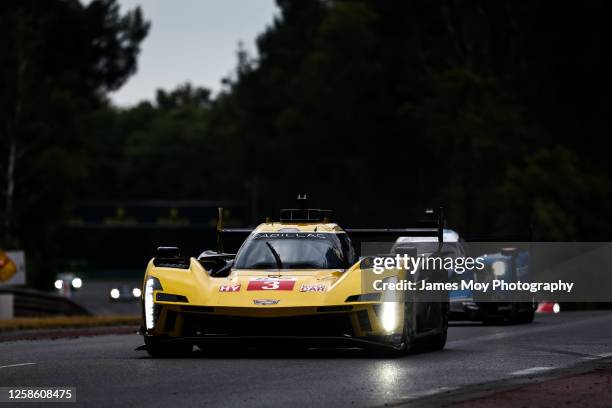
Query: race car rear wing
{"x": 433, "y": 226}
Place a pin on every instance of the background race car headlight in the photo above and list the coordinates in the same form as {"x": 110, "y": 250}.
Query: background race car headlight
{"x": 388, "y": 316}
{"x": 499, "y": 268}
{"x": 114, "y": 293}
{"x": 136, "y": 292}
{"x": 77, "y": 283}
{"x": 58, "y": 284}
{"x": 151, "y": 284}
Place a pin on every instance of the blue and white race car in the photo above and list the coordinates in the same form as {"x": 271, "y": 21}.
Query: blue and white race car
{"x": 508, "y": 264}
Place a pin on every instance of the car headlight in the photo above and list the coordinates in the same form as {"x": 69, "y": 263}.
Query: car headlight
{"x": 389, "y": 308}
{"x": 114, "y": 293}
{"x": 390, "y": 295}
{"x": 58, "y": 284}
{"x": 151, "y": 284}
{"x": 77, "y": 283}
{"x": 499, "y": 268}
{"x": 136, "y": 292}
{"x": 388, "y": 316}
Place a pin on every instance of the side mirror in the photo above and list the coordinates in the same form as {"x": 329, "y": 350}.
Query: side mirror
{"x": 366, "y": 262}
{"x": 168, "y": 252}
{"x": 170, "y": 257}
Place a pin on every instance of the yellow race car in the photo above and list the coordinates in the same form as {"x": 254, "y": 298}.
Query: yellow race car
{"x": 293, "y": 281}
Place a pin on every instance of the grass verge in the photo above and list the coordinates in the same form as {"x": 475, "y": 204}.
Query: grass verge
{"x": 58, "y": 322}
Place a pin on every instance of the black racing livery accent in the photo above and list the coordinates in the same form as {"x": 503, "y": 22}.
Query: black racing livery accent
{"x": 168, "y": 297}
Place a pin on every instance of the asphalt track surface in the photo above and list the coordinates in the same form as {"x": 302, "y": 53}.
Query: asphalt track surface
{"x": 107, "y": 371}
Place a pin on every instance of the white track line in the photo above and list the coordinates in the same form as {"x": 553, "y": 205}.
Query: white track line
{"x": 17, "y": 365}
{"x": 532, "y": 370}
{"x": 427, "y": 393}
{"x": 598, "y": 356}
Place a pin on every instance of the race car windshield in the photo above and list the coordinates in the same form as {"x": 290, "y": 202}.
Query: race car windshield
{"x": 426, "y": 247}
{"x": 293, "y": 251}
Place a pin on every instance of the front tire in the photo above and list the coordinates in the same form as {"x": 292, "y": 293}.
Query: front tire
{"x": 407, "y": 344}
{"x": 438, "y": 341}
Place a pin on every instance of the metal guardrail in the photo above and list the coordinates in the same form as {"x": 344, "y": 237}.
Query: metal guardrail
{"x": 32, "y": 303}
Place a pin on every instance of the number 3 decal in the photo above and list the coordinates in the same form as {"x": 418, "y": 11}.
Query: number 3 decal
{"x": 271, "y": 285}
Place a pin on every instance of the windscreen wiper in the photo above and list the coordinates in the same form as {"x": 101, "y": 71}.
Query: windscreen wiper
{"x": 279, "y": 263}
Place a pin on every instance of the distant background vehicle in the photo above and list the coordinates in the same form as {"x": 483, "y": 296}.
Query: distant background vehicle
{"x": 125, "y": 293}
{"x": 66, "y": 282}
{"x": 510, "y": 264}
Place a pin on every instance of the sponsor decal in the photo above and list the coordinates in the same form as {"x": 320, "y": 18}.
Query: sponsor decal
{"x": 312, "y": 288}
{"x": 268, "y": 283}
{"x": 266, "y": 302}
{"x": 234, "y": 287}
{"x": 291, "y": 235}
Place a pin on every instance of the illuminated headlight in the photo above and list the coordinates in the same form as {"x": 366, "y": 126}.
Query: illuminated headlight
{"x": 390, "y": 295}
{"x": 556, "y": 308}
{"x": 114, "y": 293}
{"x": 77, "y": 283}
{"x": 388, "y": 316}
{"x": 136, "y": 292}
{"x": 499, "y": 268}
{"x": 149, "y": 309}
{"x": 389, "y": 307}
{"x": 58, "y": 284}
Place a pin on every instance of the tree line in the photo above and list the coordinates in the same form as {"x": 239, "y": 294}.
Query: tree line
{"x": 496, "y": 110}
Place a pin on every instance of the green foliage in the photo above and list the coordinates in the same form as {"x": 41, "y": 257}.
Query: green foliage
{"x": 162, "y": 150}
{"x": 376, "y": 107}
{"x": 59, "y": 59}
{"x": 564, "y": 200}
{"x": 369, "y": 107}
{"x": 380, "y": 106}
